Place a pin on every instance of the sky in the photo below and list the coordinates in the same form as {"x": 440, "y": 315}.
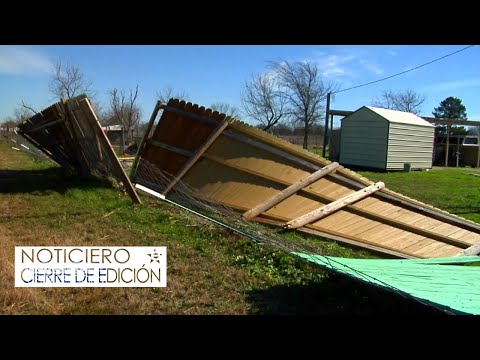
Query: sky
{"x": 217, "y": 73}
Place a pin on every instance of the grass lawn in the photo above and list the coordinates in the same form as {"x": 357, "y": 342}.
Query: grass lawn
{"x": 454, "y": 190}
{"x": 210, "y": 270}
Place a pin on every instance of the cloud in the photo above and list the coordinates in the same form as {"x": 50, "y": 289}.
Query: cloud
{"x": 348, "y": 65}
{"x": 335, "y": 65}
{"x": 371, "y": 66}
{"x": 452, "y": 85}
{"x": 391, "y": 53}
{"x": 20, "y": 60}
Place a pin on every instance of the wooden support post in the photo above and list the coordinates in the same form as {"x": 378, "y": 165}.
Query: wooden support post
{"x": 91, "y": 117}
{"x": 198, "y": 153}
{"x": 142, "y": 144}
{"x": 458, "y": 151}
{"x": 334, "y": 206}
{"x": 171, "y": 148}
{"x": 292, "y": 189}
{"x": 325, "y": 135}
{"x": 47, "y": 125}
{"x": 447, "y": 146}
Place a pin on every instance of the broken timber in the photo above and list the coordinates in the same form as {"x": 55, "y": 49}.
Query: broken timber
{"x": 70, "y": 134}
{"x": 334, "y": 206}
{"x": 272, "y": 181}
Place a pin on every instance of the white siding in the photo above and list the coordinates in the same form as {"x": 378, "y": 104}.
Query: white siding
{"x": 411, "y": 144}
{"x": 364, "y": 139}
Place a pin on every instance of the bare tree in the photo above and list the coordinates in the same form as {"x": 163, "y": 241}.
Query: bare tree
{"x": 68, "y": 81}
{"x": 25, "y": 109}
{"x": 305, "y": 92}
{"x": 408, "y": 101}
{"x": 168, "y": 93}
{"x": 263, "y": 101}
{"x": 227, "y": 109}
{"x": 124, "y": 111}
{"x": 9, "y": 123}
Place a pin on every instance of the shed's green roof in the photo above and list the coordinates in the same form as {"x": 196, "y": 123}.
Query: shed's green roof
{"x": 445, "y": 283}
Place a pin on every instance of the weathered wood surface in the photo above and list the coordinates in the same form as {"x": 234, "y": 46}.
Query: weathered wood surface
{"x": 70, "y": 134}
{"x": 249, "y": 171}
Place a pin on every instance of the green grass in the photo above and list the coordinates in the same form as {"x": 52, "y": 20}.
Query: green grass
{"x": 450, "y": 189}
{"x": 210, "y": 270}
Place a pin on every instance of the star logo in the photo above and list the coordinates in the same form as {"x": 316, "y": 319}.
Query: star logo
{"x": 154, "y": 257}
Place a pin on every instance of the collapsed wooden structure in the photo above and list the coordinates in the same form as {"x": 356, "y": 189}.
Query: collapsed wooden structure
{"x": 70, "y": 134}
{"x": 272, "y": 181}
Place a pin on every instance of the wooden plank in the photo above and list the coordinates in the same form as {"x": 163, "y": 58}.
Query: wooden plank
{"x": 408, "y": 227}
{"x": 70, "y": 126}
{"x": 90, "y": 116}
{"x": 328, "y": 234}
{"x": 44, "y": 150}
{"x": 171, "y": 148}
{"x": 292, "y": 189}
{"x": 143, "y": 142}
{"x": 343, "y": 240}
{"x": 198, "y": 153}
{"x": 352, "y": 208}
{"x": 282, "y": 148}
{"x": 89, "y": 158}
{"x": 334, "y": 206}
{"x": 47, "y": 125}
{"x": 189, "y": 114}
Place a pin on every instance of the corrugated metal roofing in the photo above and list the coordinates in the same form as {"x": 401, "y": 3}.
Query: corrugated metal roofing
{"x": 445, "y": 283}
{"x": 400, "y": 116}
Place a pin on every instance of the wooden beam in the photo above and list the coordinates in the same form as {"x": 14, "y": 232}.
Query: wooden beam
{"x": 334, "y": 206}
{"x": 350, "y": 208}
{"x": 472, "y": 250}
{"x": 451, "y": 121}
{"x": 426, "y": 118}
{"x": 447, "y": 146}
{"x": 308, "y": 161}
{"x": 70, "y": 126}
{"x": 198, "y": 153}
{"x": 143, "y": 142}
{"x": 340, "y": 112}
{"x": 171, "y": 148}
{"x": 89, "y": 113}
{"x": 42, "y": 149}
{"x": 47, "y": 125}
{"x": 292, "y": 189}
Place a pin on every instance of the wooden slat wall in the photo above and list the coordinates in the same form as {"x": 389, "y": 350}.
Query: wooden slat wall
{"x": 241, "y": 174}
{"x": 70, "y": 134}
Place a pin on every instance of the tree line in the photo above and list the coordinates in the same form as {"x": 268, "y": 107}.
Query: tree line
{"x": 288, "y": 98}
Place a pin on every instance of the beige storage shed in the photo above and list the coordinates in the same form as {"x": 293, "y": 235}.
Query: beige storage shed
{"x": 386, "y": 139}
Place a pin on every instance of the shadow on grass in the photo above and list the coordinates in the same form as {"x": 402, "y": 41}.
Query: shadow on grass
{"x": 52, "y": 179}
{"x": 334, "y": 295}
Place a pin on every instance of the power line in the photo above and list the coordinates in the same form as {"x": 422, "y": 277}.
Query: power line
{"x": 404, "y": 72}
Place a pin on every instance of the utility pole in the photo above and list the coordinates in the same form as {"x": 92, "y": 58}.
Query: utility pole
{"x": 325, "y": 135}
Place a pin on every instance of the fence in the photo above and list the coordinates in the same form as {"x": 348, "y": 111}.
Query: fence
{"x": 19, "y": 143}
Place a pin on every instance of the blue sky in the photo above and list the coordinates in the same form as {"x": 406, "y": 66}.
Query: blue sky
{"x": 217, "y": 73}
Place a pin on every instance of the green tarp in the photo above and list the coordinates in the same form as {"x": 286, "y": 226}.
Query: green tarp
{"x": 446, "y": 283}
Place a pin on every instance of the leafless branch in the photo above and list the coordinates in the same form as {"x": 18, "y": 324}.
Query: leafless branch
{"x": 123, "y": 109}
{"x": 227, "y": 109}
{"x": 27, "y": 107}
{"x": 263, "y": 101}
{"x": 304, "y": 90}
{"x": 408, "y": 101}
{"x": 168, "y": 93}
{"x": 68, "y": 81}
